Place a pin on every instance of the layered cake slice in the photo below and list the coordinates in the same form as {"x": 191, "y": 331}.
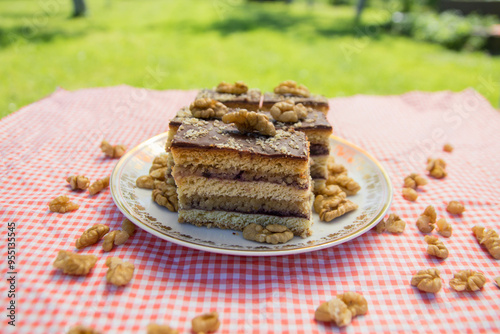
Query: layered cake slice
{"x": 289, "y": 90}
{"x": 229, "y": 179}
{"x": 235, "y": 95}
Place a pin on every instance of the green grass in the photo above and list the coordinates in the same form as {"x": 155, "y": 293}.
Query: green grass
{"x": 185, "y": 44}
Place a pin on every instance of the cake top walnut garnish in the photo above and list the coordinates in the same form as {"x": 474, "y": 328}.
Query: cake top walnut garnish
{"x": 207, "y": 108}
{"x": 249, "y": 122}
{"x": 291, "y": 87}
{"x": 289, "y": 112}
{"x": 238, "y": 88}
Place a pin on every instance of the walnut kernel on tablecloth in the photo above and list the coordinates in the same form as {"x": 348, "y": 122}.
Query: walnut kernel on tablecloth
{"x": 489, "y": 238}
{"x": 467, "y": 280}
{"x": 497, "y": 281}
{"x": 145, "y": 182}
{"x": 410, "y": 194}
{"x": 78, "y": 182}
{"x": 207, "y": 108}
{"x": 414, "y": 180}
{"x": 238, "y": 88}
{"x": 99, "y": 185}
{"x": 455, "y": 207}
{"x": 444, "y": 228}
{"x": 112, "y": 151}
{"x": 206, "y": 323}
{"x": 161, "y": 329}
{"x": 62, "y": 204}
{"x": 271, "y": 234}
{"x": 128, "y": 227}
{"x": 447, "y": 148}
{"x": 119, "y": 272}
{"x": 291, "y": 87}
{"x": 427, "y": 219}
{"x": 427, "y": 280}
{"x": 114, "y": 238}
{"x": 436, "y": 247}
{"x": 249, "y": 122}
{"x": 74, "y": 264}
{"x": 436, "y": 168}
{"x": 79, "y": 329}
{"x": 91, "y": 236}
{"x": 335, "y": 311}
{"x": 355, "y": 302}
{"x": 289, "y": 112}
{"x": 394, "y": 224}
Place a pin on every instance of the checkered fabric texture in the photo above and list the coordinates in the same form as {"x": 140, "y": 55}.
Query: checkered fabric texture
{"x": 43, "y": 143}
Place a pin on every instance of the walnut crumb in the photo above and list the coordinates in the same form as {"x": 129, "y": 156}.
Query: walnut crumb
{"x": 99, "y": 185}
{"x": 248, "y": 122}
{"x": 91, "y": 236}
{"x": 119, "y": 272}
{"x": 448, "y": 148}
{"x": 427, "y": 280}
{"x": 271, "y": 234}
{"x": 78, "y": 182}
{"x": 112, "y": 151}
{"x": 455, "y": 208}
{"x": 436, "y": 247}
{"x": 467, "y": 280}
{"x": 291, "y": 87}
{"x": 436, "y": 168}
{"x": 74, "y": 264}
{"x": 207, "y": 108}
{"x": 427, "y": 219}
{"x": 489, "y": 239}
{"x": 205, "y": 323}
{"x": 238, "y": 88}
{"x": 62, "y": 204}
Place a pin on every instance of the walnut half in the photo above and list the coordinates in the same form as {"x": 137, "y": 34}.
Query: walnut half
{"x": 78, "y": 182}
{"x": 289, "y": 112}
{"x": 99, "y": 185}
{"x": 62, "y": 204}
{"x": 161, "y": 329}
{"x": 91, "y": 236}
{"x": 436, "y": 168}
{"x": 436, "y": 247}
{"x": 455, "y": 208}
{"x": 207, "y": 108}
{"x": 205, "y": 323}
{"x": 249, "y": 122}
{"x": 112, "y": 151}
{"x": 290, "y": 87}
{"x": 119, "y": 272}
{"x": 488, "y": 238}
{"x": 238, "y": 88}
{"x": 427, "y": 280}
{"x": 414, "y": 180}
{"x": 427, "y": 219}
{"x": 74, "y": 264}
{"x": 271, "y": 234}
{"x": 335, "y": 311}
{"x": 467, "y": 280}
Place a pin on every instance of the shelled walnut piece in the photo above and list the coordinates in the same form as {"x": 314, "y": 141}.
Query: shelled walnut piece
{"x": 455, "y": 207}
{"x": 74, "y": 264}
{"x": 410, "y": 194}
{"x": 145, "y": 182}
{"x": 128, "y": 227}
{"x": 427, "y": 219}
{"x": 427, "y": 280}
{"x": 436, "y": 247}
{"x": 289, "y": 112}
{"x": 161, "y": 329}
{"x": 497, "y": 281}
{"x": 414, "y": 180}
{"x": 82, "y": 330}
{"x": 393, "y": 224}
{"x": 119, "y": 272}
{"x": 114, "y": 238}
{"x": 488, "y": 238}
{"x": 249, "y": 122}
{"x": 342, "y": 309}
{"x": 62, "y": 204}
{"x": 78, "y": 182}
{"x": 467, "y": 280}
{"x": 337, "y": 175}
{"x": 165, "y": 194}
{"x": 444, "y": 228}
{"x": 99, "y": 185}
{"x": 112, "y": 151}
{"x": 436, "y": 168}
{"x": 206, "y": 323}
{"x": 238, "y": 88}
{"x": 447, "y": 148}
{"x": 207, "y": 108}
{"x": 91, "y": 236}
{"x": 271, "y": 234}
{"x": 291, "y": 87}
{"x": 331, "y": 203}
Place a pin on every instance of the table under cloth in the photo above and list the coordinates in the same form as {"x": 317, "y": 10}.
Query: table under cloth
{"x": 58, "y": 136}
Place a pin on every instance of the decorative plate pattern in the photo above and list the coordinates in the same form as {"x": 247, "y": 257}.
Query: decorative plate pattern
{"x": 374, "y": 200}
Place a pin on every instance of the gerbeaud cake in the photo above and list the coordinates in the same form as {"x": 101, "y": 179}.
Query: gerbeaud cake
{"x": 229, "y": 180}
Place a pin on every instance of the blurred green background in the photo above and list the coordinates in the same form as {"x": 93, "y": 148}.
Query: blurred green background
{"x": 190, "y": 44}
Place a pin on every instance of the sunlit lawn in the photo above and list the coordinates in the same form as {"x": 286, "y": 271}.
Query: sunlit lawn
{"x": 187, "y": 44}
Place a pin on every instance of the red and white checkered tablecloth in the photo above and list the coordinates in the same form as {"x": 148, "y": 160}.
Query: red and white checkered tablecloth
{"x": 58, "y": 136}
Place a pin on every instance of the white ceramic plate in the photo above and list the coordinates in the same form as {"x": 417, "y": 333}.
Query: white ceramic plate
{"x": 374, "y": 199}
